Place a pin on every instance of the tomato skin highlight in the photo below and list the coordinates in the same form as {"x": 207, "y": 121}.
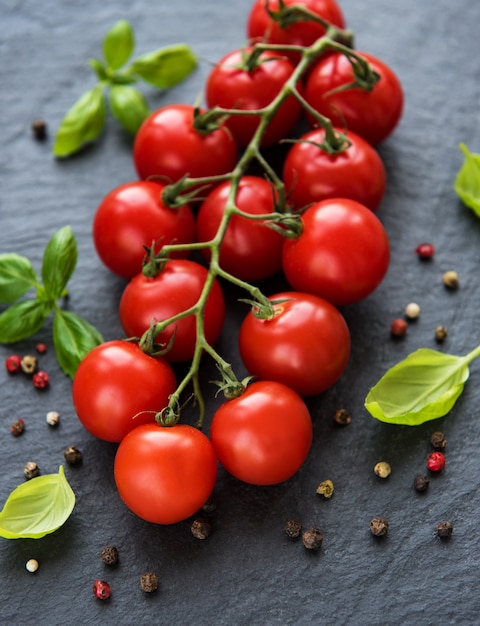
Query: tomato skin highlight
{"x": 311, "y": 174}
{"x": 117, "y": 388}
{"x": 342, "y": 254}
{"x": 307, "y": 343}
{"x": 175, "y": 289}
{"x": 132, "y": 216}
{"x": 263, "y": 436}
{"x": 165, "y": 474}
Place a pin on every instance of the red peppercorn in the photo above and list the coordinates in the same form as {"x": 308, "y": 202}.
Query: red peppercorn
{"x": 436, "y": 461}
{"x": 41, "y": 379}
{"x": 41, "y": 348}
{"x": 101, "y": 589}
{"x": 425, "y": 250}
{"x": 398, "y": 327}
{"x": 13, "y": 363}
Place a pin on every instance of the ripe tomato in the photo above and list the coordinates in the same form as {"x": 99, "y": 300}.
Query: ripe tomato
{"x": 117, "y": 387}
{"x": 165, "y": 474}
{"x": 232, "y": 86}
{"x": 250, "y": 250}
{"x": 263, "y": 436}
{"x": 311, "y": 174}
{"x": 307, "y": 343}
{"x": 132, "y": 216}
{"x": 371, "y": 114}
{"x": 168, "y": 145}
{"x": 175, "y": 289}
{"x": 342, "y": 254}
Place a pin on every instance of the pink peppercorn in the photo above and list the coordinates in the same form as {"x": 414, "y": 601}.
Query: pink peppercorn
{"x": 13, "y": 363}
{"x": 425, "y": 250}
{"x": 398, "y": 327}
{"x": 436, "y": 461}
{"x": 41, "y": 379}
{"x": 101, "y": 589}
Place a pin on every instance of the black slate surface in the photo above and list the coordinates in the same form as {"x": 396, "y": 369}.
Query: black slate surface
{"x": 248, "y": 572}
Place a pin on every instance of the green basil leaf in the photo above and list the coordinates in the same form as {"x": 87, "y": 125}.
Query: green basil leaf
{"x": 99, "y": 69}
{"x": 37, "y": 507}
{"x": 73, "y": 338}
{"x": 59, "y": 261}
{"x": 166, "y": 67}
{"x": 118, "y": 44}
{"x": 83, "y": 123}
{"x": 17, "y": 276}
{"x": 128, "y": 106}
{"x": 23, "y": 319}
{"x": 422, "y": 387}
{"x": 467, "y": 182}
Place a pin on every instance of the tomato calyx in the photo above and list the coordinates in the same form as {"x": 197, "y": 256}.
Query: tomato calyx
{"x": 286, "y": 16}
{"x": 229, "y": 384}
{"x": 266, "y": 310}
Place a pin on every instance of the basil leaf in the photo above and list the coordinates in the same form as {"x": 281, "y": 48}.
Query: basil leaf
{"x": 118, "y": 44}
{"x": 467, "y": 182}
{"x": 166, "y": 67}
{"x": 23, "y": 319}
{"x": 17, "y": 276}
{"x": 128, "y": 106}
{"x": 37, "y": 507}
{"x": 422, "y": 387}
{"x": 59, "y": 261}
{"x": 83, "y": 123}
{"x": 73, "y": 338}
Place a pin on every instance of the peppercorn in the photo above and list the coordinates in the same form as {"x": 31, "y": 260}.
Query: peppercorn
{"x": 436, "y": 461}
{"x": 412, "y": 311}
{"x": 31, "y": 470}
{"x": 293, "y": 528}
{"x": 13, "y": 363}
{"x": 438, "y": 440}
{"x": 149, "y": 582}
{"x": 325, "y": 489}
{"x": 53, "y": 417}
{"x": 210, "y": 506}
{"x": 31, "y": 565}
{"x": 29, "y": 364}
{"x": 382, "y": 469}
{"x": 451, "y": 280}
{"x": 421, "y": 482}
{"x": 39, "y": 129}
{"x": 17, "y": 427}
{"x": 425, "y": 251}
{"x": 109, "y": 555}
{"x": 441, "y": 333}
{"x": 445, "y": 530}
{"x": 41, "y": 380}
{"x": 41, "y": 348}
{"x": 379, "y": 526}
{"x": 312, "y": 539}
{"x": 201, "y": 528}
{"x": 72, "y": 455}
{"x": 398, "y": 327}
{"x": 101, "y": 589}
{"x": 342, "y": 417}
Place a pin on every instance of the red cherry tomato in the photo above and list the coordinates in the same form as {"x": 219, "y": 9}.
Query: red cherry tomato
{"x": 311, "y": 173}
{"x": 175, "y": 289}
{"x": 342, "y": 254}
{"x": 167, "y": 145}
{"x": 132, "y": 216}
{"x": 165, "y": 474}
{"x": 371, "y": 114}
{"x": 307, "y": 343}
{"x": 232, "y": 86}
{"x": 117, "y": 387}
{"x": 263, "y": 436}
{"x": 250, "y": 250}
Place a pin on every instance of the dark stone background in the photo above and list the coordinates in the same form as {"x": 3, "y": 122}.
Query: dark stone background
{"x": 248, "y": 572}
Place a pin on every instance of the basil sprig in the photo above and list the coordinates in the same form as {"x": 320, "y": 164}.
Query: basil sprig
{"x": 163, "y": 68}
{"x": 73, "y": 336}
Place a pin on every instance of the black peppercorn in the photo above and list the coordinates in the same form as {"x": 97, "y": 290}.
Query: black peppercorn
{"x": 438, "y": 440}
{"x": 31, "y": 470}
{"x": 109, "y": 555}
{"x": 379, "y": 526}
{"x": 17, "y": 427}
{"x": 342, "y": 417}
{"x": 149, "y": 582}
{"x": 293, "y": 528}
{"x": 421, "y": 482}
{"x": 72, "y": 455}
{"x": 39, "y": 129}
{"x": 445, "y": 530}
{"x": 312, "y": 539}
{"x": 201, "y": 528}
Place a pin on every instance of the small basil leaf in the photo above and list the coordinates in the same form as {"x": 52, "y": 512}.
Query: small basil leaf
{"x": 99, "y": 69}
{"x": 166, "y": 67}
{"x": 73, "y": 338}
{"x": 23, "y": 320}
{"x": 83, "y": 123}
{"x": 128, "y": 106}
{"x": 17, "y": 276}
{"x": 118, "y": 44}
{"x": 422, "y": 387}
{"x": 59, "y": 261}
{"x": 37, "y": 507}
{"x": 467, "y": 182}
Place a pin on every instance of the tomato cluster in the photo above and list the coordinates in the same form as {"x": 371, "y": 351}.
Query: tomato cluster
{"x": 314, "y": 221}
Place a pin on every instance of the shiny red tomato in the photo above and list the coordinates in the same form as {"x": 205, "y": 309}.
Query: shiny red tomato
{"x": 168, "y": 145}
{"x": 311, "y": 173}
{"x": 175, "y": 289}
{"x": 250, "y": 250}
{"x": 165, "y": 474}
{"x": 263, "y": 436}
{"x": 307, "y": 343}
{"x": 132, "y": 216}
{"x": 232, "y": 85}
{"x": 342, "y": 254}
{"x": 117, "y": 387}
{"x": 371, "y": 114}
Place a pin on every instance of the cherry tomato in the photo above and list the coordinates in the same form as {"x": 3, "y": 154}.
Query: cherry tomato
{"x": 117, "y": 387}
{"x": 232, "y": 86}
{"x": 342, "y": 254}
{"x": 307, "y": 343}
{"x": 175, "y": 289}
{"x": 263, "y": 436}
{"x": 311, "y": 173}
{"x": 165, "y": 474}
{"x": 250, "y": 250}
{"x": 371, "y": 114}
{"x": 167, "y": 145}
{"x": 132, "y": 216}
